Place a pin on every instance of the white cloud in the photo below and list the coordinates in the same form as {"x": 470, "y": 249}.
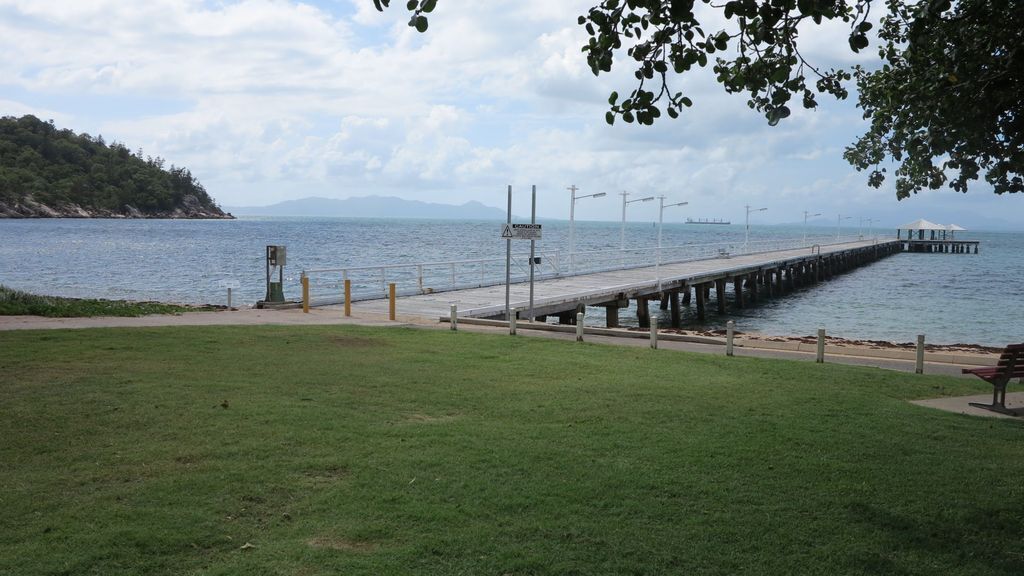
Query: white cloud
{"x": 269, "y": 99}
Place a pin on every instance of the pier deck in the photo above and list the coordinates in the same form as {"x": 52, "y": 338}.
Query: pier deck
{"x": 769, "y": 273}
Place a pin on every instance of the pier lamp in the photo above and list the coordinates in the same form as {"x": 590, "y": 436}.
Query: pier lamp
{"x": 860, "y": 231}
{"x": 572, "y": 222}
{"x": 839, "y": 223}
{"x": 622, "y": 233}
{"x": 661, "y": 218}
{"x": 661, "y": 215}
{"x": 746, "y": 236}
{"x": 806, "y": 214}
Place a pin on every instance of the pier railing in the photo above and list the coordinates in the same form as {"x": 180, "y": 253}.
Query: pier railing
{"x": 371, "y": 282}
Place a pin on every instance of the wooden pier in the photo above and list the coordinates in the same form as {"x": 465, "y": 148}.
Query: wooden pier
{"x": 701, "y": 283}
{"x": 940, "y": 246}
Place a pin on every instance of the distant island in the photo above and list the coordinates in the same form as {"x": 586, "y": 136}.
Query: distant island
{"x": 374, "y": 207}
{"x": 46, "y": 172}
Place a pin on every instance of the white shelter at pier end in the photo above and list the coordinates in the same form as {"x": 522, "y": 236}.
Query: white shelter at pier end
{"x": 921, "y": 226}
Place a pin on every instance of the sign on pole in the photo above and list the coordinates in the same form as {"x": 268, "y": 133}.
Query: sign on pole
{"x": 520, "y": 231}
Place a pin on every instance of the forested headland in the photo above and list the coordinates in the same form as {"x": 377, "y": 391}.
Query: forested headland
{"x": 46, "y": 172}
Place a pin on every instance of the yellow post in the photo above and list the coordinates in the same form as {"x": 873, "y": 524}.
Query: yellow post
{"x": 305, "y": 294}
{"x": 348, "y": 297}
{"x": 391, "y": 301}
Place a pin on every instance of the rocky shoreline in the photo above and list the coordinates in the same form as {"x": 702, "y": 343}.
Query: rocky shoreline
{"x": 28, "y": 208}
{"x": 849, "y": 342}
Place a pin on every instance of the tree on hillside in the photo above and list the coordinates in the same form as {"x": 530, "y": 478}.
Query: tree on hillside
{"x": 59, "y": 167}
{"x": 945, "y": 102}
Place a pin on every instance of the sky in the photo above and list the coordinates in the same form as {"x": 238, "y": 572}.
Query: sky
{"x": 271, "y": 100}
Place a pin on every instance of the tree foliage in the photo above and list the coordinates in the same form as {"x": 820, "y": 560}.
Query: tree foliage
{"x": 59, "y": 167}
{"x": 948, "y": 102}
{"x": 944, "y": 102}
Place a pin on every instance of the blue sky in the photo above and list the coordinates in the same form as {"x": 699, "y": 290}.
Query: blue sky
{"x": 268, "y": 100}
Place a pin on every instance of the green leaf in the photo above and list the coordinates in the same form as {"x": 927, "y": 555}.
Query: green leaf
{"x": 411, "y": 5}
{"x": 421, "y": 24}
{"x": 609, "y": 118}
{"x": 428, "y": 5}
{"x": 611, "y": 99}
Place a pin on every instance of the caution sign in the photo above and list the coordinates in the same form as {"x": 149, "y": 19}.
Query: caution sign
{"x": 520, "y": 231}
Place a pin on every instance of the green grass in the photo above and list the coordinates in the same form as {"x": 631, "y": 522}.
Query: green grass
{"x": 15, "y": 302}
{"x": 346, "y": 450}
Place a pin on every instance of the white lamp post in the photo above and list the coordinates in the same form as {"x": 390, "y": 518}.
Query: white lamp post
{"x": 661, "y": 215}
{"x": 839, "y": 223}
{"x": 661, "y": 218}
{"x": 806, "y": 214}
{"x": 572, "y": 222}
{"x": 622, "y": 233}
{"x": 746, "y": 236}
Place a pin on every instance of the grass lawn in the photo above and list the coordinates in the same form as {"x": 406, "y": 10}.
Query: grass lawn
{"x": 344, "y": 450}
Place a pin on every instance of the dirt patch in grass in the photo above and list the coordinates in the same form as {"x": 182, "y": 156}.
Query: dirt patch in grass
{"x": 342, "y": 544}
{"x": 355, "y": 342}
{"x": 327, "y": 475}
{"x": 428, "y": 419}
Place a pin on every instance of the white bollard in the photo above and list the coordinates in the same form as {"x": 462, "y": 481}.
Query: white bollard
{"x": 512, "y": 322}
{"x": 654, "y": 332}
{"x": 919, "y": 368}
{"x": 229, "y": 298}
{"x": 820, "y": 358}
{"x": 454, "y": 320}
{"x": 579, "y": 326}
{"x": 730, "y": 326}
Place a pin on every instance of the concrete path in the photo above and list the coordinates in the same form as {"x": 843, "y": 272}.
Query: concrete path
{"x": 961, "y": 405}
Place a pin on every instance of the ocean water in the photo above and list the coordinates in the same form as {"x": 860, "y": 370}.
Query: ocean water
{"x": 951, "y": 298}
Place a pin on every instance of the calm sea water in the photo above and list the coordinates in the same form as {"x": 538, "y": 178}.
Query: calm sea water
{"x": 950, "y": 298}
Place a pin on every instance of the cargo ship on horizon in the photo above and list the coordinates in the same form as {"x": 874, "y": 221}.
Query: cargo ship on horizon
{"x": 706, "y": 221}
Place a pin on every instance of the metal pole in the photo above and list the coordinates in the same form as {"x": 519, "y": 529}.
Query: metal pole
{"x": 454, "y": 319}
{"x": 512, "y": 324}
{"x": 508, "y": 257}
{"x": 533, "y": 243}
{"x": 820, "y": 358}
{"x": 730, "y": 327}
{"x": 572, "y": 229}
{"x": 919, "y": 367}
{"x": 229, "y": 298}
{"x": 661, "y": 216}
{"x": 839, "y": 220}
{"x": 622, "y": 230}
{"x": 746, "y": 228}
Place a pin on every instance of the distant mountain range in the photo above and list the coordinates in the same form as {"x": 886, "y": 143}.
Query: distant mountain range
{"x": 372, "y": 207}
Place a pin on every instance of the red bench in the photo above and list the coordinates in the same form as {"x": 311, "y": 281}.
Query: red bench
{"x": 1010, "y": 366}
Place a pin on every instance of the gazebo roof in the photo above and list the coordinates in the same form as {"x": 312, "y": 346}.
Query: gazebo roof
{"x": 955, "y": 228}
{"x": 922, "y": 224}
